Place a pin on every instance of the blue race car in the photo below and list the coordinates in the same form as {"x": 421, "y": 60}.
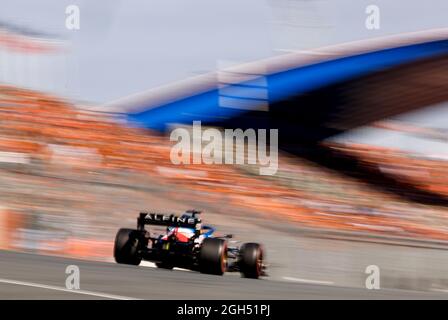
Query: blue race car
{"x": 186, "y": 243}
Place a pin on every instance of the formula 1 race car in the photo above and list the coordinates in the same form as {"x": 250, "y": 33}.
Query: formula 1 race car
{"x": 188, "y": 244}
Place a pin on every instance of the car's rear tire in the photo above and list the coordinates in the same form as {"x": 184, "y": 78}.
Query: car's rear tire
{"x": 164, "y": 265}
{"x": 251, "y": 260}
{"x": 127, "y": 244}
{"x": 213, "y": 256}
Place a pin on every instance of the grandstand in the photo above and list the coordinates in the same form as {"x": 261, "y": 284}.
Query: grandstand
{"x": 83, "y": 167}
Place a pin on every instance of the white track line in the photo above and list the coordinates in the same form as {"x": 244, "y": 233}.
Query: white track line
{"x": 328, "y": 283}
{"x": 84, "y": 292}
{"x": 148, "y": 264}
{"x": 439, "y": 290}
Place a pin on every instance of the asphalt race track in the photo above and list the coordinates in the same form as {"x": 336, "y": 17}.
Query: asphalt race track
{"x": 300, "y": 266}
{"x": 29, "y": 276}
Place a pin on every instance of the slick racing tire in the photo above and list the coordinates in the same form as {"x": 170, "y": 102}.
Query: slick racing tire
{"x": 127, "y": 243}
{"x": 213, "y": 256}
{"x": 251, "y": 260}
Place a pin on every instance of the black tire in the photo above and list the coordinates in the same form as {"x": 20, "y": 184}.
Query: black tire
{"x": 164, "y": 265}
{"x": 127, "y": 244}
{"x": 213, "y": 256}
{"x": 251, "y": 260}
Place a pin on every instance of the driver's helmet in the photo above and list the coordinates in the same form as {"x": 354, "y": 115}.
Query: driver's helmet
{"x": 186, "y": 215}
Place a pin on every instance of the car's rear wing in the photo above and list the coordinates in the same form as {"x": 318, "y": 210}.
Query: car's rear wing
{"x": 169, "y": 220}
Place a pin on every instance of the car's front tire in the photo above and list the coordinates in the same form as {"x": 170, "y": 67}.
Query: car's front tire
{"x": 127, "y": 244}
{"x": 251, "y": 260}
{"x": 213, "y": 256}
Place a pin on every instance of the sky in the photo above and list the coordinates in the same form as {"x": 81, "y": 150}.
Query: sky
{"x": 125, "y": 47}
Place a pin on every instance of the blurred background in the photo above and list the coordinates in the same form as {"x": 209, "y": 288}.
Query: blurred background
{"x": 85, "y": 117}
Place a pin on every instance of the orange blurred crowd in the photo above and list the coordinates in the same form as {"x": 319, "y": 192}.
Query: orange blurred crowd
{"x": 56, "y": 159}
